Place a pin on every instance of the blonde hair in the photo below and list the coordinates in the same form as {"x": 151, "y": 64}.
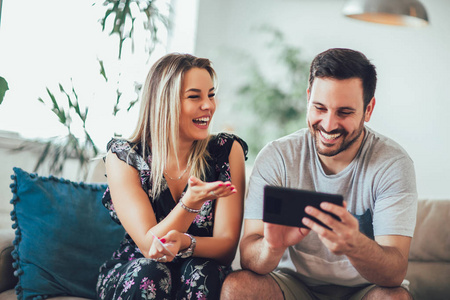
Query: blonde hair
{"x": 158, "y": 123}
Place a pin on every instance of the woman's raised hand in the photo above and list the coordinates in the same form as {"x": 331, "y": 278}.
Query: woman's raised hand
{"x": 199, "y": 191}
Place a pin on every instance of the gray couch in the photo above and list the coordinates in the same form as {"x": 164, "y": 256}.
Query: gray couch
{"x": 428, "y": 269}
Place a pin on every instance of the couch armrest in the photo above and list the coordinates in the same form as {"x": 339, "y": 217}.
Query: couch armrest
{"x": 431, "y": 240}
{"x": 8, "y": 280}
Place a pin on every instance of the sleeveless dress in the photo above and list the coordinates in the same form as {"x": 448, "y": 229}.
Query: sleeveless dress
{"x": 128, "y": 274}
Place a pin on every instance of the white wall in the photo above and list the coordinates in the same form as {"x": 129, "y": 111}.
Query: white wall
{"x": 413, "y": 67}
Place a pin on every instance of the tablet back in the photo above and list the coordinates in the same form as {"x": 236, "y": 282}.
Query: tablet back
{"x": 286, "y": 206}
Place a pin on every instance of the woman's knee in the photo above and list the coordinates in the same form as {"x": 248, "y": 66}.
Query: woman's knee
{"x": 197, "y": 268}
{"x": 202, "y": 277}
{"x": 138, "y": 279}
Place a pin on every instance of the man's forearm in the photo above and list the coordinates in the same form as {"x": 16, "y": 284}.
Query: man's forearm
{"x": 381, "y": 265}
{"x": 257, "y": 256}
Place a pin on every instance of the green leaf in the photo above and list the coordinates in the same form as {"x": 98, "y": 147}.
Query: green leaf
{"x": 91, "y": 143}
{"x": 102, "y": 70}
{"x": 52, "y": 97}
{"x": 3, "y": 88}
{"x": 62, "y": 90}
{"x": 43, "y": 156}
{"x": 132, "y": 103}
{"x": 58, "y": 111}
{"x": 124, "y": 15}
{"x": 116, "y": 108}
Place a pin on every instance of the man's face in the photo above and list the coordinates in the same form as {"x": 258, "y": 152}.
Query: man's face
{"x": 336, "y": 115}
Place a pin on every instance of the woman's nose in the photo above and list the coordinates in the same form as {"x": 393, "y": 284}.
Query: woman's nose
{"x": 207, "y": 104}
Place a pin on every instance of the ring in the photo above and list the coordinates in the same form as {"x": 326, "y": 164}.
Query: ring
{"x": 214, "y": 194}
{"x": 162, "y": 258}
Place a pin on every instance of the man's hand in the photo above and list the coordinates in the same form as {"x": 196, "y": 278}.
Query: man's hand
{"x": 263, "y": 244}
{"x": 342, "y": 239}
{"x": 281, "y": 236}
{"x": 382, "y": 262}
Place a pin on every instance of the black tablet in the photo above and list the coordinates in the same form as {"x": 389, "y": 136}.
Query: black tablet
{"x": 286, "y": 206}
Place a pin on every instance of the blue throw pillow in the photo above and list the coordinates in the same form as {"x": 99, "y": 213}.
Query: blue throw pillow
{"x": 63, "y": 235}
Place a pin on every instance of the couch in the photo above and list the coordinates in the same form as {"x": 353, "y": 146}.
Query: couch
{"x": 428, "y": 269}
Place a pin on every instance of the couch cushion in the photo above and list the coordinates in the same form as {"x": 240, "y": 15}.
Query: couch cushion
{"x": 63, "y": 235}
{"x": 8, "y": 295}
{"x": 11, "y": 295}
{"x": 429, "y": 280}
{"x": 431, "y": 241}
{"x": 7, "y": 281}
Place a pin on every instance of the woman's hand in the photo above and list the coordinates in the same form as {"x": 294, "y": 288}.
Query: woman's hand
{"x": 199, "y": 191}
{"x": 164, "y": 249}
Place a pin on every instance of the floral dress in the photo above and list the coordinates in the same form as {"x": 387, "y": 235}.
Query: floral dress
{"x": 128, "y": 274}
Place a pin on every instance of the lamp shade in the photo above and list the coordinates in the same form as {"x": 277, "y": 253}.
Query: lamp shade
{"x": 390, "y": 12}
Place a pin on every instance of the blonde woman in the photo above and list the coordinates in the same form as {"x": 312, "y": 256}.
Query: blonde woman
{"x": 177, "y": 190}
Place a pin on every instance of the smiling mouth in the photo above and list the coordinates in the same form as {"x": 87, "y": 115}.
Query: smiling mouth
{"x": 202, "y": 121}
{"x": 330, "y": 136}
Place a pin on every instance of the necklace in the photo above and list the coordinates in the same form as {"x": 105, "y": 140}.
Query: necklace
{"x": 179, "y": 177}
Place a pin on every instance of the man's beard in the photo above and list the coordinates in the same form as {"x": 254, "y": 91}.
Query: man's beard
{"x": 345, "y": 144}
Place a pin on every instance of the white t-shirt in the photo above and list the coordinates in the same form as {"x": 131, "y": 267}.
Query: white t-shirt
{"x": 379, "y": 186}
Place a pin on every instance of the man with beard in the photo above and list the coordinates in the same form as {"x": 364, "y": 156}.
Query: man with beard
{"x": 365, "y": 253}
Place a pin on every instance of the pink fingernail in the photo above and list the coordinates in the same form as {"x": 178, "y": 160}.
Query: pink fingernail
{"x": 220, "y": 184}
{"x": 163, "y": 240}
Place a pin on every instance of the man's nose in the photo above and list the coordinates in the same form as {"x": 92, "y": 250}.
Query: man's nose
{"x": 329, "y": 122}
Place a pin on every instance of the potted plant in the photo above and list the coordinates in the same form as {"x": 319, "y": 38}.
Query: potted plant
{"x": 274, "y": 108}
{"x": 119, "y": 20}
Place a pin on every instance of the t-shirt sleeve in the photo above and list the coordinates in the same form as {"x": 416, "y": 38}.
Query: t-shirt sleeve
{"x": 268, "y": 169}
{"x": 395, "y": 207}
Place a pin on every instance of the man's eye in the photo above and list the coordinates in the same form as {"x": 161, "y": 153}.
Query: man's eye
{"x": 345, "y": 113}
{"x": 320, "y": 108}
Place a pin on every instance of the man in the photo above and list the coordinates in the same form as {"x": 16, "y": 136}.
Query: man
{"x": 365, "y": 254}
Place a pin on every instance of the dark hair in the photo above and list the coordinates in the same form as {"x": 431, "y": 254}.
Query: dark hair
{"x": 340, "y": 63}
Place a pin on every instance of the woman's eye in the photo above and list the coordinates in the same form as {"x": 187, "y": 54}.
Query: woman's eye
{"x": 193, "y": 96}
{"x": 211, "y": 95}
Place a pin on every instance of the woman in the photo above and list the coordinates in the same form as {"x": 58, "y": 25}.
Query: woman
{"x": 170, "y": 187}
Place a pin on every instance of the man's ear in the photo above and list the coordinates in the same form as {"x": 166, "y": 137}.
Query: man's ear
{"x": 369, "y": 110}
{"x": 308, "y": 94}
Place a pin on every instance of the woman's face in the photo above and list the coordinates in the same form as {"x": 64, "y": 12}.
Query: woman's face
{"x": 197, "y": 105}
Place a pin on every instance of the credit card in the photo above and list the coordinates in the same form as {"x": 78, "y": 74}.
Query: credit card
{"x": 162, "y": 244}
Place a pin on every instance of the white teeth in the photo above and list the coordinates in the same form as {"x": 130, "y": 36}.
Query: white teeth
{"x": 330, "y": 136}
{"x": 202, "y": 119}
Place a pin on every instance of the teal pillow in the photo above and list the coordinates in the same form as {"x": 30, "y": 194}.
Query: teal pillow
{"x": 63, "y": 235}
